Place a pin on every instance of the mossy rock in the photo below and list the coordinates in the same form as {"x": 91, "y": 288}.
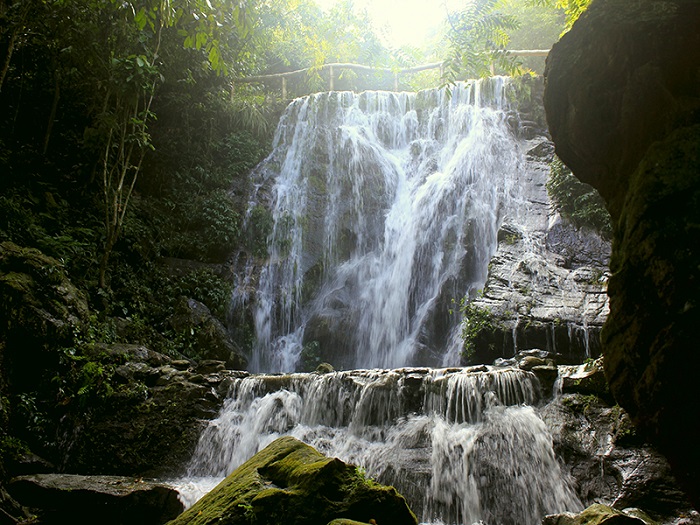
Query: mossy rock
{"x": 596, "y": 514}
{"x": 290, "y": 482}
{"x": 39, "y": 301}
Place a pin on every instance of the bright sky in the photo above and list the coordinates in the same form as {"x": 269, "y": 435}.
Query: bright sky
{"x": 407, "y": 21}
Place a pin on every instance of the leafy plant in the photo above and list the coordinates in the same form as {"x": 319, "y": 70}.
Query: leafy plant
{"x": 477, "y": 37}
{"x": 573, "y": 8}
{"x": 476, "y": 320}
{"x": 577, "y": 202}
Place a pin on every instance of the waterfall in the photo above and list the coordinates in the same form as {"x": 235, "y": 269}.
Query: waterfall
{"x": 385, "y": 208}
{"x": 462, "y": 445}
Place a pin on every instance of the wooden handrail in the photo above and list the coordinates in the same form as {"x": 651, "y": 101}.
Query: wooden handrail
{"x": 435, "y": 65}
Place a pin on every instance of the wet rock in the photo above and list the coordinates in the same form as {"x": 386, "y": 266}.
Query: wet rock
{"x": 609, "y": 460}
{"x": 530, "y": 361}
{"x": 637, "y": 142}
{"x": 553, "y": 299}
{"x": 150, "y": 422}
{"x": 324, "y": 368}
{"x": 211, "y": 336}
{"x": 547, "y": 376}
{"x": 40, "y": 310}
{"x": 290, "y": 482}
{"x": 210, "y": 366}
{"x": 66, "y": 498}
{"x": 588, "y": 378}
{"x": 594, "y": 515}
{"x": 39, "y": 302}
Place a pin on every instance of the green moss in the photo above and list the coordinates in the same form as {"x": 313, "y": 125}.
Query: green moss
{"x": 577, "y": 202}
{"x": 290, "y": 482}
{"x": 476, "y": 321}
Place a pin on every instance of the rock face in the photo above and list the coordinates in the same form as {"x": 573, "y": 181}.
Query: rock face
{"x": 547, "y": 282}
{"x": 211, "y": 337}
{"x": 623, "y": 105}
{"x": 63, "y": 498}
{"x": 40, "y": 308}
{"x": 290, "y": 482}
{"x": 151, "y": 421}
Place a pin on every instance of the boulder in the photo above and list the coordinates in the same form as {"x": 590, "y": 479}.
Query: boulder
{"x": 609, "y": 460}
{"x": 623, "y": 105}
{"x": 596, "y": 514}
{"x": 109, "y": 500}
{"x": 588, "y": 378}
{"x": 211, "y": 338}
{"x": 290, "y": 482}
{"x": 147, "y": 418}
{"x": 39, "y": 301}
{"x": 40, "y": 310}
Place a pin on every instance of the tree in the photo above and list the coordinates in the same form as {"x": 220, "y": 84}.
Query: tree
{"x": 129, "y": 82}
{"x": 13, "y": 19}
{"x": 572, "y": 8}
{"x": 477, "y": 38}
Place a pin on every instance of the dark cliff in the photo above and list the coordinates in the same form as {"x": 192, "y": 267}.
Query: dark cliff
{"x": 623, "y": 105}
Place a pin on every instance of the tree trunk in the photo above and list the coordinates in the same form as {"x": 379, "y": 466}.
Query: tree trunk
{"x": 52, "y": 115}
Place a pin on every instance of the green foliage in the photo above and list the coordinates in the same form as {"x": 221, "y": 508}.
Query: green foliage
{"x": 577, "y": 202}
{"x": 49, "y": 223}
{"x": 539, "y": 27}
{"x": 572, "y": 8}
{"x": 12, "y": 448}
{"x": 208, "y": 226}
{"x": 206, "y": 287}
{"x": 27, "y": 408}
{"x": 259, "y": 229}
{"x": 477, "y": 36}
{"x": 476, "y": 320}
{"x": 310, "y": 357}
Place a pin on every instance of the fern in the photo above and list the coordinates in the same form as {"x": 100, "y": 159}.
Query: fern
{"x": 477, "y": 37}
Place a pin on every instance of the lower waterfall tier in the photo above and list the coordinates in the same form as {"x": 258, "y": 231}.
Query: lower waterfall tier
{"x": 498, "y": 445}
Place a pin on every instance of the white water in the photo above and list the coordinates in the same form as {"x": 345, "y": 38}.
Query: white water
{"x": 386, "y": 207}
{"x": 461, "y": 445}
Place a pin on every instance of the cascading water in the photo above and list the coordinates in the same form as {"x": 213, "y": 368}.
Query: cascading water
{"x": 386, "y": 207}
{"x": 462, "y": 445}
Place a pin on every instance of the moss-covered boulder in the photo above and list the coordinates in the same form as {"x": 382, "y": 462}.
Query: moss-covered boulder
{"x": 40, "y": 310}
{"x": 597, "y": 514}
{"x": 39, "y": 301}
{"x": 290, "y": 482}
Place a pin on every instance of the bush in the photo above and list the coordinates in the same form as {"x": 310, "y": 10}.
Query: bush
{"x": 475, "y": 321}
{"x": 577, "y": 202}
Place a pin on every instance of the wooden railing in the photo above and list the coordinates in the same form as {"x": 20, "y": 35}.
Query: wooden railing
{"x": 332, "y": 68}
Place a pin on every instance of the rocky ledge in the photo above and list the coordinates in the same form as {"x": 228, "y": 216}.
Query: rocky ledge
{"x": 150, "y": 422}
{"x": 109, "y": 500}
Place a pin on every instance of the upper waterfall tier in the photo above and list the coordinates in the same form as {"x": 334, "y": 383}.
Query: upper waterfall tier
{"x": 385, "y": 211}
